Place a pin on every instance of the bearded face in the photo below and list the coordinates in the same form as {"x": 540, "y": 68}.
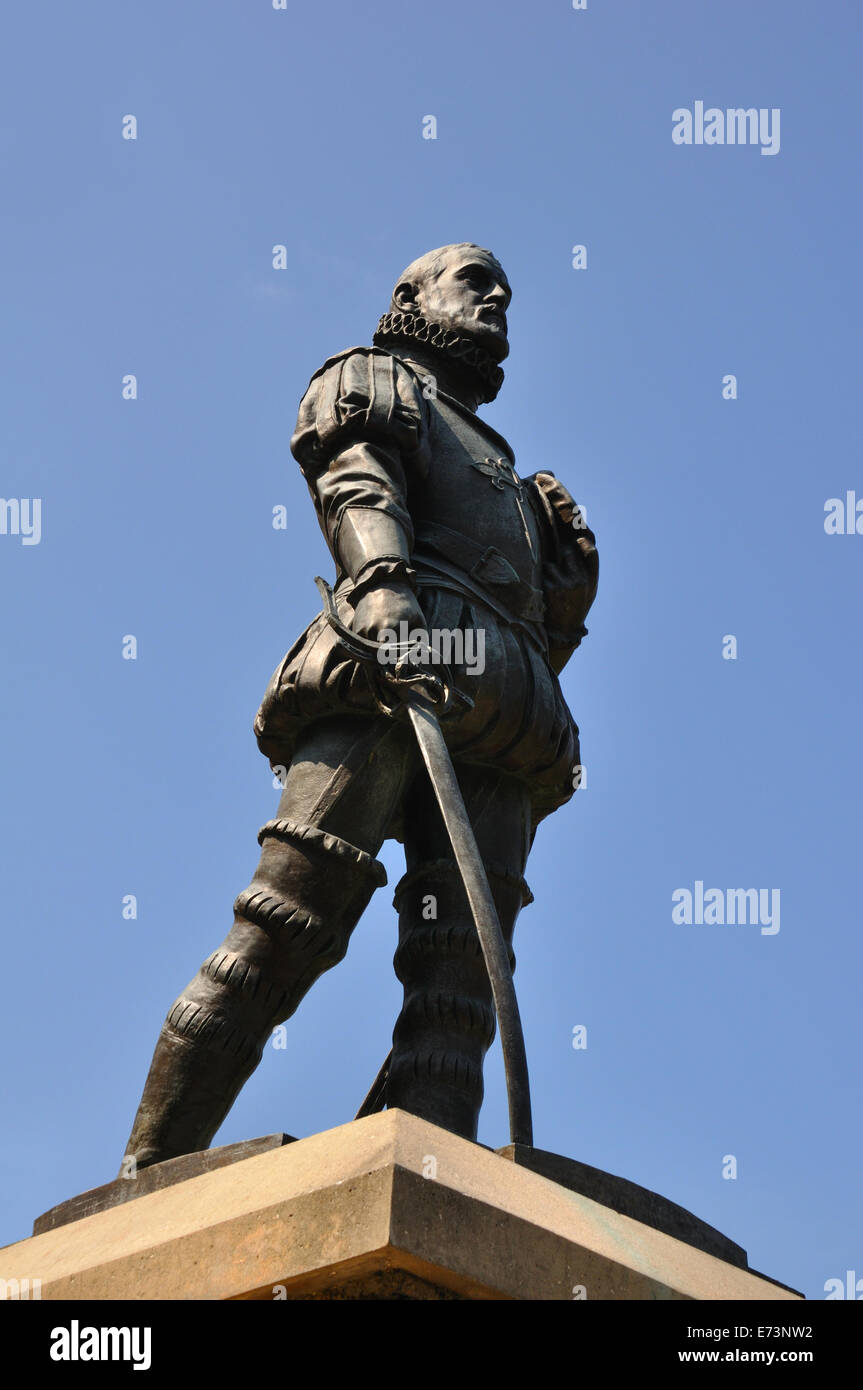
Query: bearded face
{"x": 464, "y": 290}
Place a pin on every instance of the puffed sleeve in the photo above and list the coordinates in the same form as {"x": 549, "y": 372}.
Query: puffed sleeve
{"x": 362, "y": 428}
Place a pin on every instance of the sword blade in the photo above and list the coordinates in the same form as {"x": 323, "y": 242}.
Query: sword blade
{"x": 438, "y": 763}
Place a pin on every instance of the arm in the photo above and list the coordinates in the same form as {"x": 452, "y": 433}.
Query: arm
{"x": 570, "y": 569}
{"x": 362, "y": 428}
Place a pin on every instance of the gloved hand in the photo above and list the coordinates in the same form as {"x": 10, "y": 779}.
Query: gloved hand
{"x": 571, "y": 571}
{"x": 387, "y": 606}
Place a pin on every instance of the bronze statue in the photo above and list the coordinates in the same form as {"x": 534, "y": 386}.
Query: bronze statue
{"x": 441, "y": 551}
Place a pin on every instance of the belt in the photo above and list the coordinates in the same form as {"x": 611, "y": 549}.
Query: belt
{"x": 486, "y": 565}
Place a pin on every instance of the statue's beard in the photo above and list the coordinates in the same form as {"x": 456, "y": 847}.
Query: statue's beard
{"x": 464, "y": 354}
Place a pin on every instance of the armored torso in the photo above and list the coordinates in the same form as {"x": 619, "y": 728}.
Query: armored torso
{"x": 371, "y": 435}
{"x": 472, "y": 488}
{"x": 474, "y": 523}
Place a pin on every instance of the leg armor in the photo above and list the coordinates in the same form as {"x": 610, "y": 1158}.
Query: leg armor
{"x": 292, "y": 923}
{"x": 447, "y": 1022}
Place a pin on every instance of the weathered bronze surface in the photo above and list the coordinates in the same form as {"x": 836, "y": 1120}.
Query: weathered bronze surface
{"x": 479, "y": 581}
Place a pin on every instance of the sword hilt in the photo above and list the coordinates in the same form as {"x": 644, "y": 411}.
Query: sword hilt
{"x": 396, "y": 679}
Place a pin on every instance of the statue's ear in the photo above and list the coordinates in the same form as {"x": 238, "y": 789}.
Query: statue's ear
{"x": 405, "y": 298}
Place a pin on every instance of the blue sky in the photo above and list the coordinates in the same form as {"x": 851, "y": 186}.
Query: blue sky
{"x": 303, "y": 128}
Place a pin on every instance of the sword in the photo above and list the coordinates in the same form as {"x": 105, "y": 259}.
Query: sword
{"x": 438, "y": 764}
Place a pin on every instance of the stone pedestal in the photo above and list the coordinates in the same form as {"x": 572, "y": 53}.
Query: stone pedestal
{"x": 387, "y": 1207}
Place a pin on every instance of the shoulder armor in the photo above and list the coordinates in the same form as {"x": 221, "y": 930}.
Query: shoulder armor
{"x": 361, "y": 394}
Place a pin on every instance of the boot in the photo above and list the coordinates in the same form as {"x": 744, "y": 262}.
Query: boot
{"x": 447, "y": 1022}
{"x": 292, "y": 923}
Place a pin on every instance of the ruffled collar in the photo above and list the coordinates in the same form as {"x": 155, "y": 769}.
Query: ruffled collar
{"x": 400, "y": 330}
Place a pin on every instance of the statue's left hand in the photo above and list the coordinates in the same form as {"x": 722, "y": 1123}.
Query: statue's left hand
{"x": 571, "y": 570}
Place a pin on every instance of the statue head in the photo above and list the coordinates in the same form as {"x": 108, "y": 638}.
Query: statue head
{"x": 463, "y": 288}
